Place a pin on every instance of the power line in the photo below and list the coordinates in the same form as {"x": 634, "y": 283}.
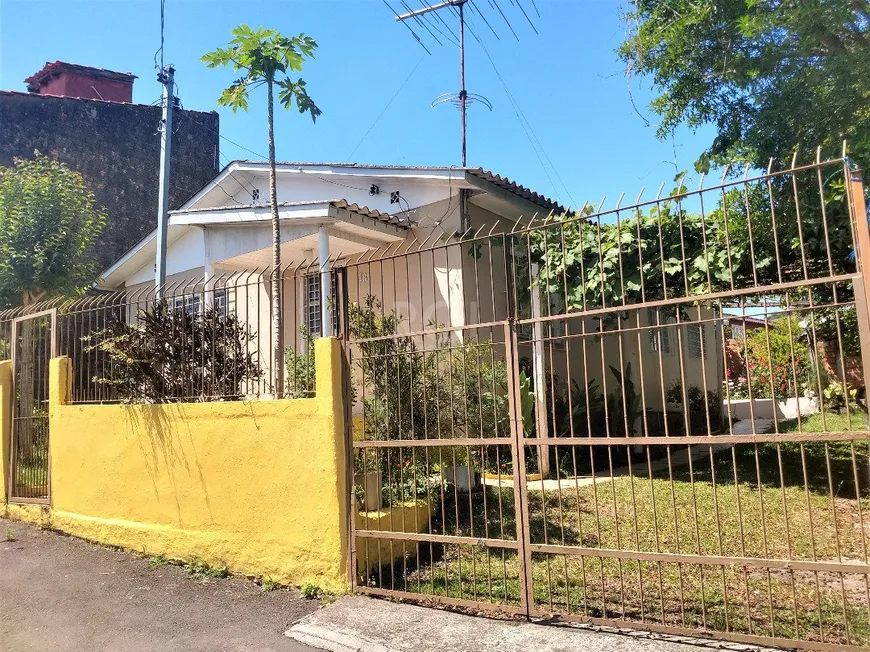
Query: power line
{"x": 231, "y": 142}
{"x": 526, "y": 125}
{"x": 386, "y": 107}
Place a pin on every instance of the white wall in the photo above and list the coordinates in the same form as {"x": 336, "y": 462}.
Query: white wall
{"x": 185, "y": 253}
{"x": 294, "y": 186}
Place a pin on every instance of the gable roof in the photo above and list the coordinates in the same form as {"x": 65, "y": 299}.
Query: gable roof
{"x": 474, "y": 176}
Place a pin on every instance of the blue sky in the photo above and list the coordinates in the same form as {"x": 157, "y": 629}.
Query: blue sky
{"x": 566, "y": 80}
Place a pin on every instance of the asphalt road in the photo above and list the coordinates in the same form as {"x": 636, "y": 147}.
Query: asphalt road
{"x": 63, "y": 594}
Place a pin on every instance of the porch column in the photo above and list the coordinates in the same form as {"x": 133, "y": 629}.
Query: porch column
{"x": 325, "y": 282}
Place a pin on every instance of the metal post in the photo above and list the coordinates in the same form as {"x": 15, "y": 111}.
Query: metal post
{"x": 858, "y": 212}
{"x": 166, "y": 77}
{"x": 463, "y": 94}
{"x": 325, "y": 281}
{"x": 464, "y": 222}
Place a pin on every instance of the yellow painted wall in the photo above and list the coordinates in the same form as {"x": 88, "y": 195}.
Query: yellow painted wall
{"x": 371, "y": 553}
{"x": 257, "y": 486}
{"x": 5, "y": 423}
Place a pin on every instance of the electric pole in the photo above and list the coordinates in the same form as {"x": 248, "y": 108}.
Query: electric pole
{"x": 166, "y": 77}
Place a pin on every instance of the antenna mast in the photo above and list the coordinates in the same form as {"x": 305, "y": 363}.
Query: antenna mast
{"x": 463, "y": 93}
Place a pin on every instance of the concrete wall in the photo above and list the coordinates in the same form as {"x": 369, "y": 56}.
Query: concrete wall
{"x": 116, "y": 148}
{"x": 257, "y": 486}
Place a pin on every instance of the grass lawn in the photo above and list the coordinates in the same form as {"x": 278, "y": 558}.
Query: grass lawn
{"x": 776, "y": 501}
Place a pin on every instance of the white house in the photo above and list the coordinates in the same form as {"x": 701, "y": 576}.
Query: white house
{"x": 326, "y": 210}
{"x": 333, "y": 211}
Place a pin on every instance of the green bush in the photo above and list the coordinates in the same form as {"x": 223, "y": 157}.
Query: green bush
{"x": 778, "y": 360}
{"x": 170, "y": 354}
{"x": 699, "y": 407}
{"x": 299, "y": 377}
{"x": 456, "y": 389}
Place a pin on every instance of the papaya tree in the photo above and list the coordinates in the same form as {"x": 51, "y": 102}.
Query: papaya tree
{"x": 265, "y": 57}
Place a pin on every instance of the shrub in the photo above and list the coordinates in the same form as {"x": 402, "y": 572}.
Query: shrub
{"x": 837, "y": 395}
{"x": 172, "y": 354}
{"x": 777, "y": 360}
{"x": 455, "y": 389}
{"x": 310, "y": 591}
{"x": 699, "y": 407}
{"x": 300, "y": 377}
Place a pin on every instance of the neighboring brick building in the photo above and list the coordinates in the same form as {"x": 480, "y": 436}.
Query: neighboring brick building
{"x": 84, "y": 117}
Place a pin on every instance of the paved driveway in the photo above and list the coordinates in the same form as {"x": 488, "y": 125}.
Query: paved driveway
{"x": 62, "y": 594}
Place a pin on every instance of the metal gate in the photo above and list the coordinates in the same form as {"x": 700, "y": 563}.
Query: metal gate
{"x": 652, "y": 416}
{"x": 33, "y": 346}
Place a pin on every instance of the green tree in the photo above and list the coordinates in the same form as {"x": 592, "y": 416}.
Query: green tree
{"x": 265, "y": 57}
{"x": 49, "y": 223}
{"x": 773, "y": 76}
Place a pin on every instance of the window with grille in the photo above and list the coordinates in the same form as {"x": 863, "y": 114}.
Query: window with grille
{"x": 220, "y": 302}
{"x": 737, "y": 331}
{"x": 695, "y": 341}
{"x": 660, "y": 339}
{"x": 191, "y": 303}
{"x": 313, "y": 302}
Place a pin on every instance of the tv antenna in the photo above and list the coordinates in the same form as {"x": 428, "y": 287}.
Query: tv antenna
{"x": 430, "y": 19}
{"x": 462, "y": 98}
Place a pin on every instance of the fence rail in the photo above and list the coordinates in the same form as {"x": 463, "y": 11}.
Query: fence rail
{"x": 201, "y": 338}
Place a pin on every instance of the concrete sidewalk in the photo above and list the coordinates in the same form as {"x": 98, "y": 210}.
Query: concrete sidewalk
{"x": 63, "y": 594}
{"x": 360, "y": 624}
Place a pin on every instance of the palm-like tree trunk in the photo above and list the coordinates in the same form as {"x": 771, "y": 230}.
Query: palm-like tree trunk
{"x": 277, "y": 330}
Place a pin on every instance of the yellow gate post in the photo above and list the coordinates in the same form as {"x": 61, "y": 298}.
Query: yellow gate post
{"x": 5, "y": 424}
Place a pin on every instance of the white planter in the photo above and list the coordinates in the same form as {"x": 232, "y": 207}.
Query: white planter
{"x": 371, "y": 482}
{"x": 462, "y": 477}
{"x": 766, "y": 408}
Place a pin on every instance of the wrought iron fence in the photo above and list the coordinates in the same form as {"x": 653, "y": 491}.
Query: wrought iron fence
{"x": 652, "y": 415}
{"x": 32, "y": 346}
{"x": 201, "y": 339}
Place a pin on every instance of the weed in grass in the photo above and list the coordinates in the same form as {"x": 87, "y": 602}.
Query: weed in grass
{"x": 156, "y": 561}
{"x": 310, "y": 591}
{"x": 268, "y": 585}
{"x": 199, "y": 569}
{"x": 10, "y": 534}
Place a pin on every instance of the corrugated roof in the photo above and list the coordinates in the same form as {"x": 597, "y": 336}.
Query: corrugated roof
{"x": 502, "y": 182}
{"x": 343, "y": 204}
{"x": 53, "y": 68}
{"x": 517, "y": 189}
